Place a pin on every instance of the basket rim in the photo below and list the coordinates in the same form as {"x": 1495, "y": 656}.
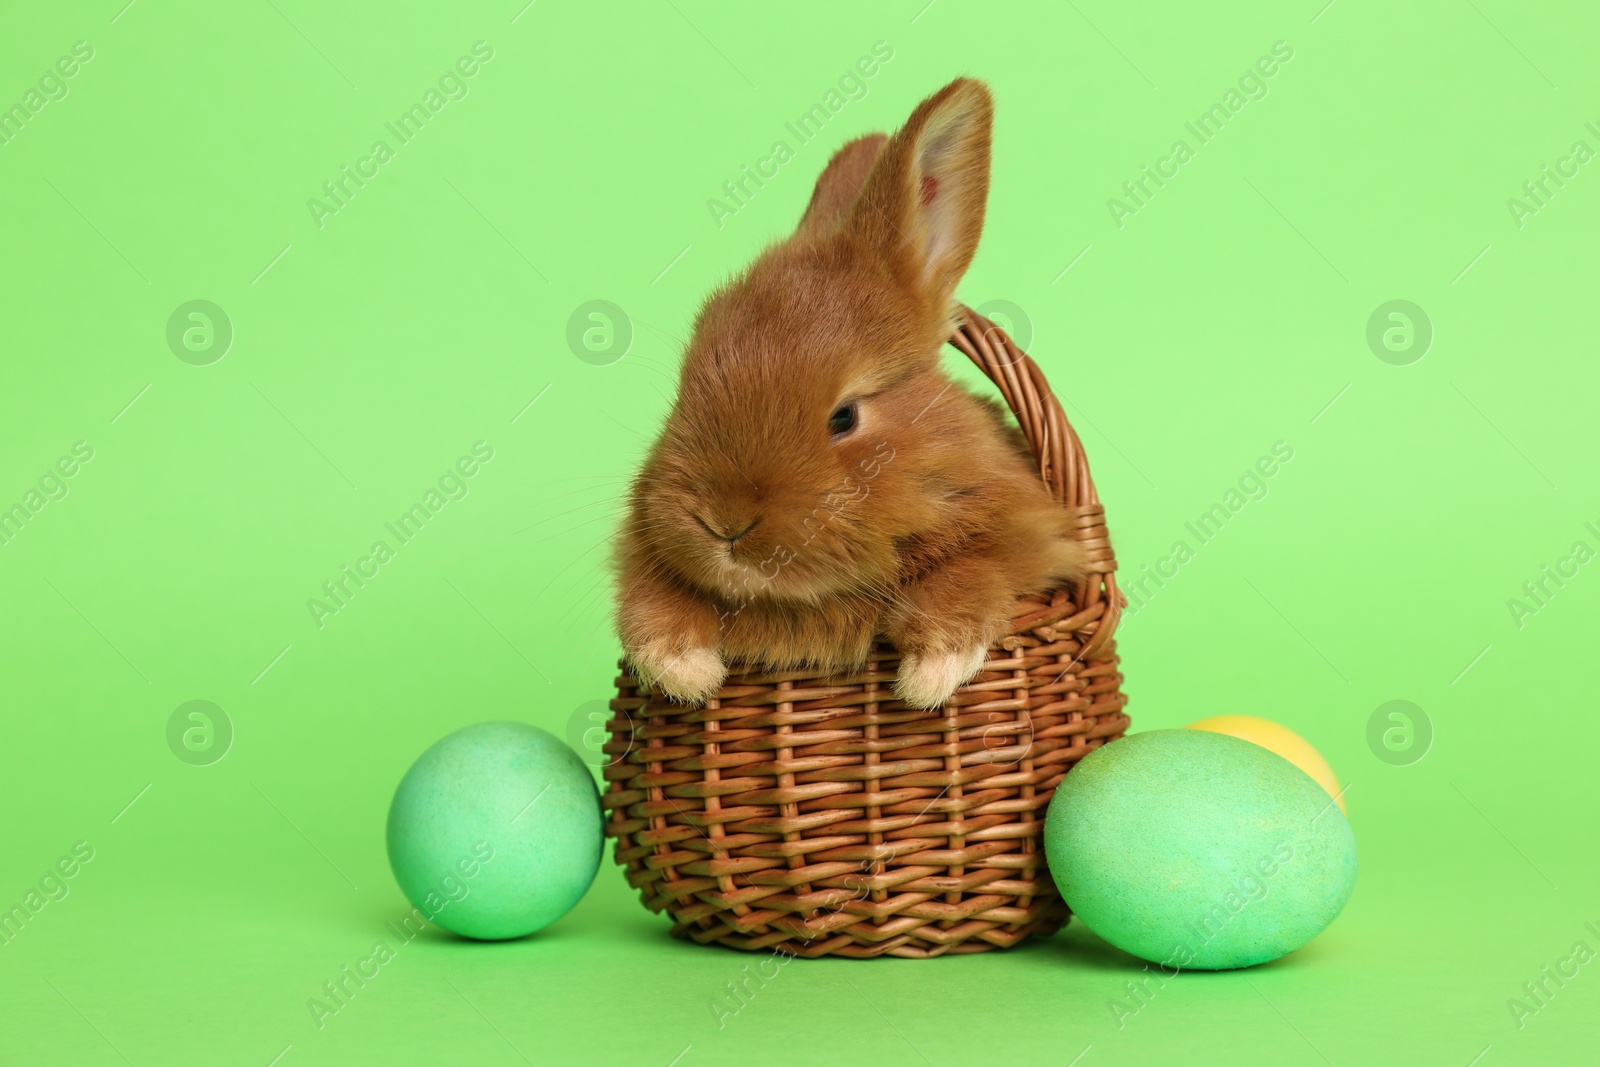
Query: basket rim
{"x": 1063, "y": 463}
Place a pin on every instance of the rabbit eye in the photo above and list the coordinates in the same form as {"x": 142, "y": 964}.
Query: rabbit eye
{"x": 843, "y": 420}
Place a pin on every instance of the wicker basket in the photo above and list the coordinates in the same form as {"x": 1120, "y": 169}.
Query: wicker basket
{"x": 816, "y": 815}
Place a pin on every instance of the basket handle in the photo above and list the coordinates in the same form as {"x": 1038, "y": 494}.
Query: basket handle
{"x": 1062, "y": 463}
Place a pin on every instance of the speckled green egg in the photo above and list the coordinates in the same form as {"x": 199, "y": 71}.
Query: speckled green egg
{"x": 495, "y": 831}
{"x": 1196, "y": 850}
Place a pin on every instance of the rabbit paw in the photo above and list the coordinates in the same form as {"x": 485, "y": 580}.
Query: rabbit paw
{"x": 692, "y": 676}
{"x": 926, "y": 681}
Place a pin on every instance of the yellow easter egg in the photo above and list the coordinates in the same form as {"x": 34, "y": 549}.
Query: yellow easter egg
{"x": 1275, "y": 737}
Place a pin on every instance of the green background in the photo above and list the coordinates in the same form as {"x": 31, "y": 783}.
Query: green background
{"x": 1229, "y": 313}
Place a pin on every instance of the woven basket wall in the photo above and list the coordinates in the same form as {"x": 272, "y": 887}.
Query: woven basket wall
{"x": 817, "y": 815}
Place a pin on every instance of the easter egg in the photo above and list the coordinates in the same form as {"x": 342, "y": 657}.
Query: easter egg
{"x": 495, "y": 831}
{"x": 1198, "y": 851}
{"x": 1275, "y": 737}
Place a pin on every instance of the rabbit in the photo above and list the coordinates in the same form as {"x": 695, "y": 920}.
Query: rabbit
{"x": 820, "y": 482}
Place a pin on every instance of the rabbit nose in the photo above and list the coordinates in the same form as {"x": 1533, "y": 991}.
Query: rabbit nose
{"x": 731, "y": 538}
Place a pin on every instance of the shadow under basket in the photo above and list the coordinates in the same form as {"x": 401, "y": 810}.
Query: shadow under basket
{"x": 814, "y": 814}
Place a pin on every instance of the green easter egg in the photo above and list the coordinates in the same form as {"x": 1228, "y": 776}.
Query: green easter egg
{"x": 1197, "y": 850}
{"x": 495, "y": 831}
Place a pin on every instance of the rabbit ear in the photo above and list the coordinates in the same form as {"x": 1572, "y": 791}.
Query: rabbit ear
{"x": 840, "y": 184}
{"x": 922, "y": 207}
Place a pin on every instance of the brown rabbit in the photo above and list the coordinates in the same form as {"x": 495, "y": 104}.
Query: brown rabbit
{"x": 820, "y": 481}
